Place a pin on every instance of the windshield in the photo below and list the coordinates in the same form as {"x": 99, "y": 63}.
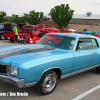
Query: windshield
{"x": 61, "y": 42}
{"x": 27, "y": 28}
{"x": 40, "y": 35}
{"x": 47, "y": 30}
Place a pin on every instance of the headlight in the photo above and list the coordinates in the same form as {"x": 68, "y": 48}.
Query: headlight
{"x": 13, "y": 71}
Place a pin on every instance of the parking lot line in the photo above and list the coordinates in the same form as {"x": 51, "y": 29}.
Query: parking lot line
{"x": 86, "y": 93}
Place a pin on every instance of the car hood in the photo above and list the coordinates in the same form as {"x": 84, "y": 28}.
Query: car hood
{"x": 23, "y": 54}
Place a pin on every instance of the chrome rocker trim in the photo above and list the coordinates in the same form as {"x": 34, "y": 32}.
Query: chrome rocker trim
{"x": 78, "y": 72}
{"x": 12, "y": 80}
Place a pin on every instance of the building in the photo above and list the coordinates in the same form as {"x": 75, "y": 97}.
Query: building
{"x": 79, "y": 22}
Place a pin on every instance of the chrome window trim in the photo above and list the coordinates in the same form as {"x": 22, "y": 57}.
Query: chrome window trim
{"x": 96, "y": 43}
{"x": 87, "y": 38}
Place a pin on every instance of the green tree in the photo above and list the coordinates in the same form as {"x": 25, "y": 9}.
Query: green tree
{"x": 2, "y": 16}
{"x": 16, "y": 19}
{"x": 34, "y": 18}
{"x": 61, "y": 15}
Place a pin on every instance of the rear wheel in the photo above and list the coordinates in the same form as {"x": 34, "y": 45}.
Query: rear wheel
{"x": 48, "y": 82}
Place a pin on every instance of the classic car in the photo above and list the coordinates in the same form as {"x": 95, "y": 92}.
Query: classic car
{"x": 44, "y": 63}
{"x": 51, "y": 30}
{"x": 1, "y": 31}
{"x": 43, "y": 32}
{"x": 39, "y": 36}
{"x": 97, "y": 35}
{"x": 64, "y": 31}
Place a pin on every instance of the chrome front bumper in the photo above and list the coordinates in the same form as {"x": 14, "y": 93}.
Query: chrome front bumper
{"x": 12, "y": 80}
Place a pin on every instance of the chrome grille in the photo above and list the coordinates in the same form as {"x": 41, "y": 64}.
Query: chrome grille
{"x": 4, "y": 68}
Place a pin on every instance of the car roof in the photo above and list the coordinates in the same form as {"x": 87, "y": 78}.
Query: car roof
{"x": 73, "y": 35}
{"x": 10, "y": 23}
{"x": 50, "y": 29}
{"x": 30, "y": 25}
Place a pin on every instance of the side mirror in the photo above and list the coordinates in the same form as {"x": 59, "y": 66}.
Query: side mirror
{"x": 81, "y": 48}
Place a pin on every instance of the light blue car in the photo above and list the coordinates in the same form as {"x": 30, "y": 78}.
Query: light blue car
{"x": 55, "y": 56}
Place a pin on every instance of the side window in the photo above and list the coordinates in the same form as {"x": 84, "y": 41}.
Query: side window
{"x": 84, "y": 44}
{"x": 95, "y": 45}
{"x": 35, "y": 29}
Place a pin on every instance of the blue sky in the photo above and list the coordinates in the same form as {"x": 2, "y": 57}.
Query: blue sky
{"x": 24, "y": 6}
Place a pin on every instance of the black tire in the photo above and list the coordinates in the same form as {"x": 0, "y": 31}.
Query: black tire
{"x": 98, "y": 69}
{"x": 11, "y": 40}
{"x": 2, "y": 37}
{"x": 6, "y": 38}
{"x": 47, "y": 83}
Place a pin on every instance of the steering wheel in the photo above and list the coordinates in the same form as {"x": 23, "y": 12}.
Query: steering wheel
{"x": 50, "y": 41}
{"x": 67, "y": 46}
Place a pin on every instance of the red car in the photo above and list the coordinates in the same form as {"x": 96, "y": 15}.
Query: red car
{"x": 38, "y": 36}
{"x": 97, "y": 35}
{"x": 52, "y": 39}
{"x": 51, "y": 30}
{"x": 64, "y": 31}
{"x": 33, "y": 30}
{"x": 43, "y": 32}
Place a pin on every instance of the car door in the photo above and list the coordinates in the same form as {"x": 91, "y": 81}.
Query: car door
{"x": 85, "y": 54}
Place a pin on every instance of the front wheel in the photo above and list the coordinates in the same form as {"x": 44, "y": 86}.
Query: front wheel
{"x": 98, "y": 69}
{"x": 2, "y": 37}
{"x": 48, "y": 82}
{"x": 11, "y": 40}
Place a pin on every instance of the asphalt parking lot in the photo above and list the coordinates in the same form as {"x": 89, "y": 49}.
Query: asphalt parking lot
{"x": 83, "y": 86}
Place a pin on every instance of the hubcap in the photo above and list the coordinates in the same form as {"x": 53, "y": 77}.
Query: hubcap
{"x": 49, "y": 82}
{"x": 2, "y": 37}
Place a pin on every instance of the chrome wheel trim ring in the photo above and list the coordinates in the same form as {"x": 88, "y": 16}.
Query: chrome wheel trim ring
{"x": 49, "y": 82}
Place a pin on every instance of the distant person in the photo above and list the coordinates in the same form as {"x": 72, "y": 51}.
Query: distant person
{"x": 16, "y": 33}
{"x": 29, "y": 39}
{"x": 21, "y": 40}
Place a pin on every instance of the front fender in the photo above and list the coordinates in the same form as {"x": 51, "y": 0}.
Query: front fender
{"x": 34, "y": 74}
{"x": 33, "y": 70}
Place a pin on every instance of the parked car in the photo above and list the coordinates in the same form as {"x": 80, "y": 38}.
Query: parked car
{"x": 26, "y": 29}
{"x": 37, "y": 37}
{"x": 51, "y": 30}
{"x": 64, "y": 31}
{"x": 1, "y": 31}
{"x": 23, "y": 30}
{"x": 97, "y": 35}
{"x": 44, "y": 63}
{"x": 8, "y": 30}
{"x": 1, "y": 25}
{"x": 43, "y": 32}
